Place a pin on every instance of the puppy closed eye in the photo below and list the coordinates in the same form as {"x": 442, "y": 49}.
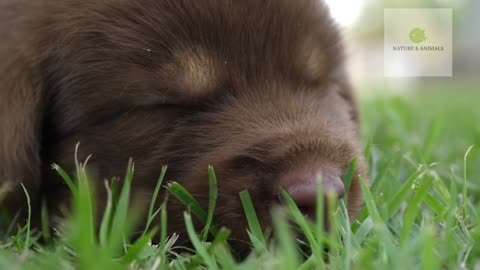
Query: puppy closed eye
{"x": 248, "y": 163}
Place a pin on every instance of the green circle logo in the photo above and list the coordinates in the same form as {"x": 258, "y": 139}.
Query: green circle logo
{"x": 417, "y": 35}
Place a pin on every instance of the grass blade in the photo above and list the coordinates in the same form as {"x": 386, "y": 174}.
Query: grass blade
{"x": 199, "y": 247}
{"x": 29, "y": 218}
{"x": 413, "y": 208}
{"x": 71, "y": 185}
{"x": 251, "y": 215}
{"x": 289, "y": 255}
{"x": 107, "y": 217}
{"x": 320, "y": 224}
{"x": 188, "y": 200}
{"x": 212, "y": 200}
{"x": 120, "y": 226}
{"x": 139, "y": 245}
{"x": 395, "y": 203}
{"x": 153, "y": 202}
{"x": 348, "y": 178}
{"x": 429, "y": 258}
{"x": 370, "y": 203}
{"x": 299, "y": 218}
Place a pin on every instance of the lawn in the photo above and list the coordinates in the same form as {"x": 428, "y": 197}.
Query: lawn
{"x": 422, "y": 211}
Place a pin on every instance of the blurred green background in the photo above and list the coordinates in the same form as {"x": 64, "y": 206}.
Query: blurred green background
{"x": 362, "y": 22}
{"x": 421, "y": 120}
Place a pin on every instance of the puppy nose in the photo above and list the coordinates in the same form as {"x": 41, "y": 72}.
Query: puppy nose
{"x": 302, "y": 187}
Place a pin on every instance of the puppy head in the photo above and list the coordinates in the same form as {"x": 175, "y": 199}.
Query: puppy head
{"x": 255, "y": 88}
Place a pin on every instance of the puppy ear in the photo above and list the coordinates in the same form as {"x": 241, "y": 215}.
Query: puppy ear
{"x": 20, "y": 135}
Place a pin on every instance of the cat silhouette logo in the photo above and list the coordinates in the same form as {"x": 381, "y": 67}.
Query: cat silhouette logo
{"x": 417, "y": 35}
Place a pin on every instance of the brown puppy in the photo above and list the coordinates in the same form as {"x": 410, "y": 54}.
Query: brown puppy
{"x": 255, "y": 88}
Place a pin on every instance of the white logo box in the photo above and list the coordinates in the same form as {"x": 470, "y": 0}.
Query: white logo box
{"x": 418, "y": 42}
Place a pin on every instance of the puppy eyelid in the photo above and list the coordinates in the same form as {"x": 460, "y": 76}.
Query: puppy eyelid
{"x": 248, "y": 162}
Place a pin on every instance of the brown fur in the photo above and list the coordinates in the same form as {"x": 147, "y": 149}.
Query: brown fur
{"x": 254, "y": 88}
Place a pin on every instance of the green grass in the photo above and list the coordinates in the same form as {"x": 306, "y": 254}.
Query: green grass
{"x": 422, "y": 211}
